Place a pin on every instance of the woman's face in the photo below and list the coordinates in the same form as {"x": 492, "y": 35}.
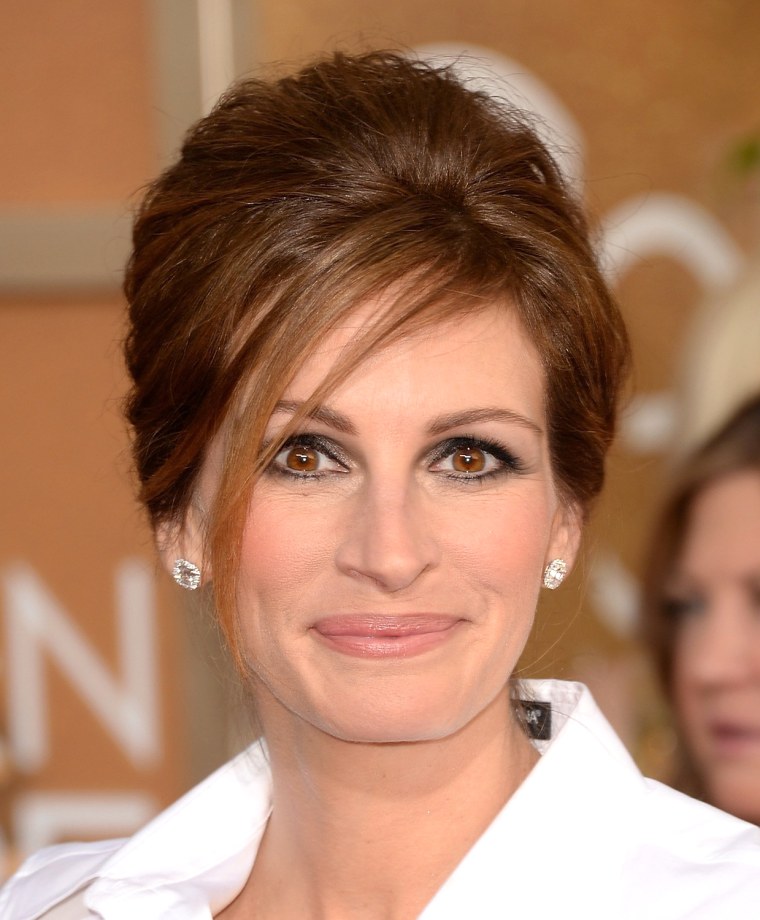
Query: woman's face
{"x": 394, "y": 550}
{"x": 716, "y": 597}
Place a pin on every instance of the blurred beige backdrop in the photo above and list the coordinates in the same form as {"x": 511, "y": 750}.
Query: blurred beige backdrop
{"x": 111, "y": 707}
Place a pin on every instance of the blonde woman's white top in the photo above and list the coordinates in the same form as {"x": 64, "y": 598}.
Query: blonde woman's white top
{"x": 586, "y": 836}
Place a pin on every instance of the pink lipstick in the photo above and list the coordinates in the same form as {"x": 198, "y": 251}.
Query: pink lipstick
{"x": 384, "y": 636}
{"x": 734, "y": 740}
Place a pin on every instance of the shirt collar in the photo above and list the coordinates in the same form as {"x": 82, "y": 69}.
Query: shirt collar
{"x": 195, "y": 857}
{"x": 535, "y": 855}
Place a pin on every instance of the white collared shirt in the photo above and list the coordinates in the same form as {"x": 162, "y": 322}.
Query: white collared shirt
{"x": 585, "y": 836}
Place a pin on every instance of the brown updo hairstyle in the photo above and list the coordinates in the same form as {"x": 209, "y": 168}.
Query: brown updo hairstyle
{"x": 295, "y": 201}
{"x": 733, "y": 448}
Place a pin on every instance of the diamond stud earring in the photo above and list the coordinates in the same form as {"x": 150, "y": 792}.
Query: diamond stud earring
{"x": 554, "y": 574}
{"x": 186, "y": 574}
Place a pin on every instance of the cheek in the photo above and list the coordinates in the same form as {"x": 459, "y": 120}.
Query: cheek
{"x": 277, "y": 549}
{"x": 681, "y": 667}
{"x": 682, "y": 699}
{"x": 287, "y": 559}
{"x": 283, "y": 550}
{"x": 498, "y": 560}
{"x": 505, "y": 540}
{"x": 687, "y": 700}
{"x": 690, "y": 641}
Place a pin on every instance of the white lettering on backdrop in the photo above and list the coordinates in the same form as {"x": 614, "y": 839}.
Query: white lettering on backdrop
{"x": 38, "y": 628}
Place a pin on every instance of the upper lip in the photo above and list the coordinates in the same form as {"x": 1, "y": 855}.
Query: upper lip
{"x": 384, "y": 625}
{"x": 732, "y": 727}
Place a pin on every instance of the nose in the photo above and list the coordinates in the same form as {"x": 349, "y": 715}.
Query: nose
{"x": 388, "y": 540}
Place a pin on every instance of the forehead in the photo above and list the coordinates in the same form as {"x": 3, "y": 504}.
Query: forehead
{"x": 723, "y": 527}
{"x": 478, "y": 357}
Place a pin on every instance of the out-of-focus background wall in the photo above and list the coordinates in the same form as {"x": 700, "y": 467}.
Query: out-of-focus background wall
{"x": 112, "y": 688}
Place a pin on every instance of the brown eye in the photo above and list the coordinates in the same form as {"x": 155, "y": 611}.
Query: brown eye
{"x": 302, "y": 459}
{"x": 468, "y": 460}
{"x": 310, "y": 457}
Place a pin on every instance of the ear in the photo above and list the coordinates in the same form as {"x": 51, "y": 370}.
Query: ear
{"x": 184, "y": 540}
{"x": 566, "y": 533}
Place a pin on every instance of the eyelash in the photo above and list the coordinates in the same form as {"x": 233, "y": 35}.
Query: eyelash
{"x": 508, "y": 462}
{"x": 311, "y": 442}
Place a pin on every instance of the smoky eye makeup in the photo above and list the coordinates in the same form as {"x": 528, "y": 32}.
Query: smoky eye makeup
{"x": 308, "y": 456}
{"x": 463, "y": 458}
{"x": 469, "y": 457}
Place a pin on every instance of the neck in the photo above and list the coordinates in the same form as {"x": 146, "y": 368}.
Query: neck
{"x": 366, "y": 829}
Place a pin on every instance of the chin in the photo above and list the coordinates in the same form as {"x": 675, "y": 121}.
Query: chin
{"x": 741, "y": 799}
{"x": 396, "y": 724}
{"x": 735, "y": 788}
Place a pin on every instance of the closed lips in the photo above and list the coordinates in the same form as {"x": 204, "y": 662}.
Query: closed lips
{"x": 728, "y": 730}
{"x": 384, "y": 627}
{"x": 379, "y": 636}
{"x": 730, "y": 739}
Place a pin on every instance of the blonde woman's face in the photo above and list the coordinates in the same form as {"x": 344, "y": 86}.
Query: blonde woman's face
{"x": 394, "y": 550}
{"x": 715, "y": 594}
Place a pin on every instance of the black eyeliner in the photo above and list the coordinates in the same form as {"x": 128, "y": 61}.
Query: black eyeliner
{"x": 511, "y": 462}
{"x": 316, "y": 442}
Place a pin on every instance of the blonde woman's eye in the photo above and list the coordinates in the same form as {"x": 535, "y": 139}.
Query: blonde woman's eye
{"x": 679, "y": 607}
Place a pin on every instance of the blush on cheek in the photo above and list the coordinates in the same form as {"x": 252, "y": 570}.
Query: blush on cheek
{"x": 283, "y": 551}
{"x": 507, "y": 547}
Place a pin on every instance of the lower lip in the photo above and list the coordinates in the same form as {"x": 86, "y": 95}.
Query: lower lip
{"x": 731, "y": 743}
{"x": 383, "y": 639}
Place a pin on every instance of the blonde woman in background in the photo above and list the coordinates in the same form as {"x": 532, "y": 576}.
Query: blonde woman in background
{"x": 702, "y": 613}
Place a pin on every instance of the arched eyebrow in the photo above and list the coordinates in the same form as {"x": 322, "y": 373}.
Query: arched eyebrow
{"x": 487, "y": 414}
{"x": 323, "y": 414}
{"x": 439, "y": 425}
